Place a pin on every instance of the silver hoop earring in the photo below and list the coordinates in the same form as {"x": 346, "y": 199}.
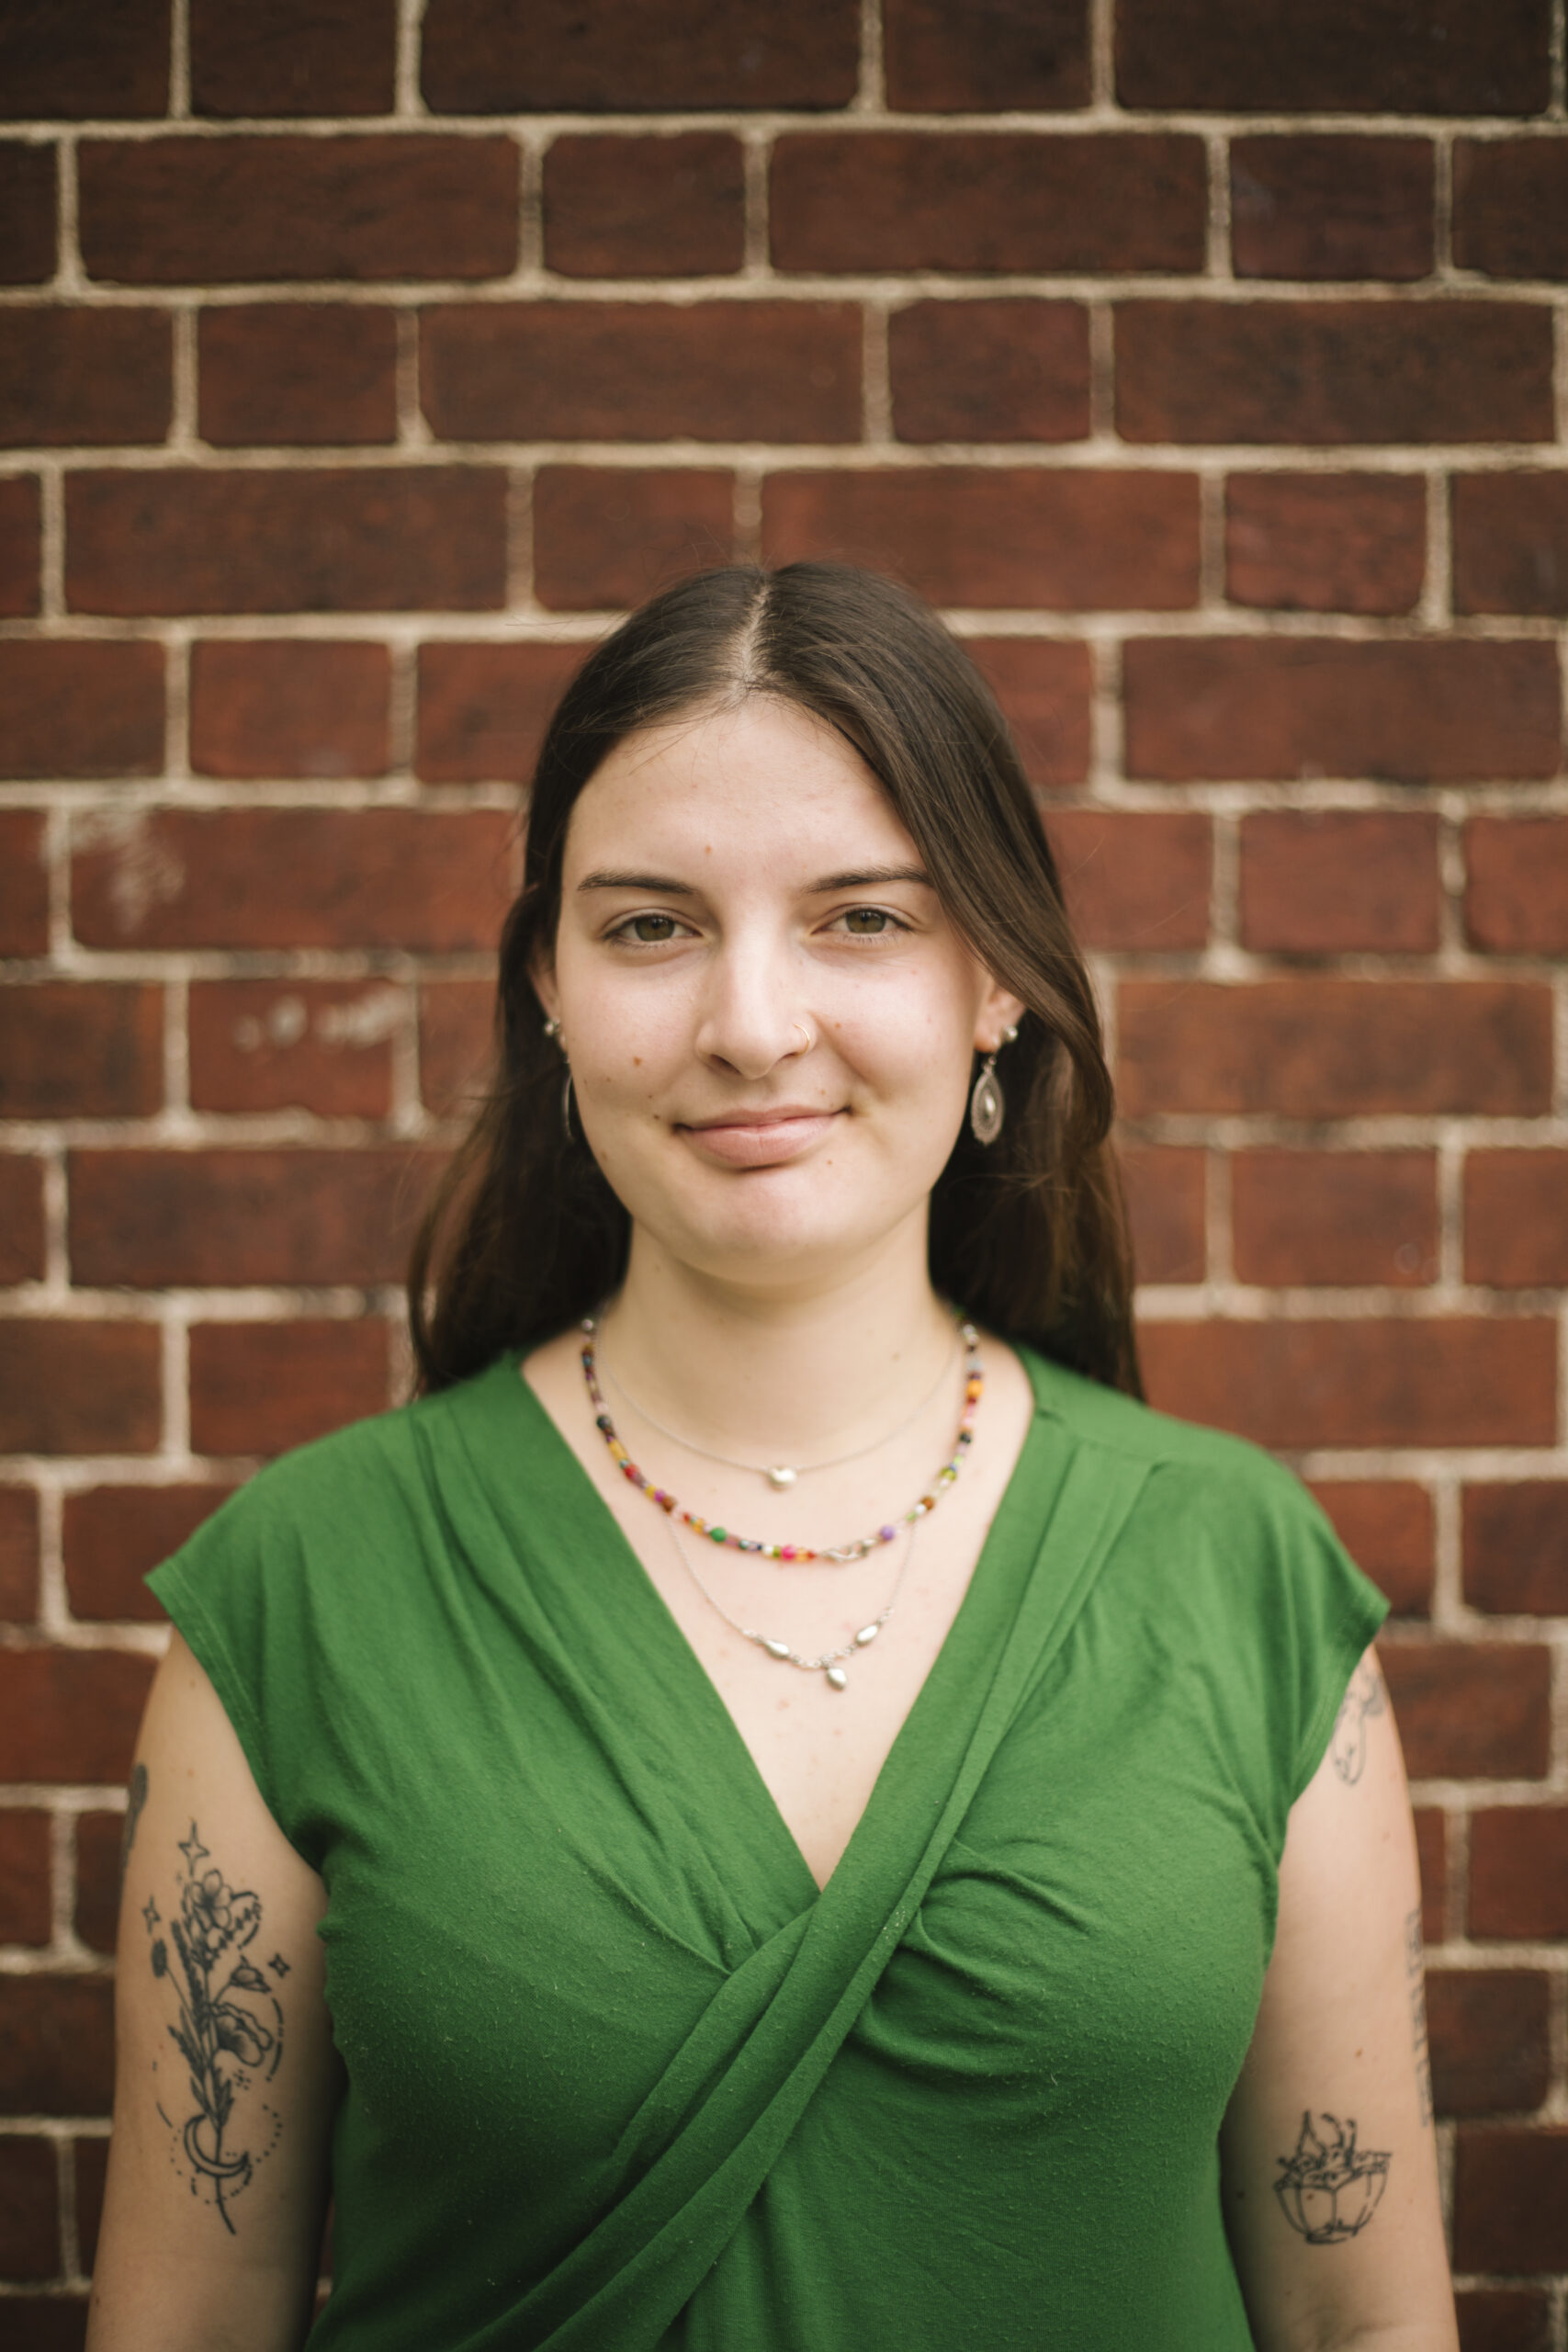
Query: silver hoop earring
{"x": 566, "y": 1110}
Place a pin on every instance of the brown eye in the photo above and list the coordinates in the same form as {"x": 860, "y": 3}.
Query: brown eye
{"x": 650, "y": 930}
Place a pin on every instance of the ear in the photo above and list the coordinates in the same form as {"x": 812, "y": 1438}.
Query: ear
{"x": 999, "y": 1012}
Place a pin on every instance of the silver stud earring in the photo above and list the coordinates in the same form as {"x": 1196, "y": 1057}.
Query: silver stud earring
{"x": 988, "y": 1105}
{"x": 552, "y": 1027}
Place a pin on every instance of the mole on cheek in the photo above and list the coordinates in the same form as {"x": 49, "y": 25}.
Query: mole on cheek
{"x": 637, "y": 1061}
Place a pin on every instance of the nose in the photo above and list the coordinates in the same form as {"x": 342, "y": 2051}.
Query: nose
{"x": 751, "y": 1018}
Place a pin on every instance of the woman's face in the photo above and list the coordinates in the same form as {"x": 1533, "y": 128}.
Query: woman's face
{"x": 768, "y": 1018}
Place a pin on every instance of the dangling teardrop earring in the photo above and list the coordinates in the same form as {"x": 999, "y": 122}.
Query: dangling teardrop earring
{"x": 988, "y": 1105}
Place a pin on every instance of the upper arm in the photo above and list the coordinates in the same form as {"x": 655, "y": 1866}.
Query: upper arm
{"x": 1328, "y": 2157}
{"x": 225, "y": 2077}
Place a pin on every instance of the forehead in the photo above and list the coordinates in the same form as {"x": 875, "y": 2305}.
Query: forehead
{"x": 763, "y": 774}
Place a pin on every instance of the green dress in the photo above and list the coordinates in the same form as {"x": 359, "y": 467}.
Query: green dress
{"x": 618, "y": 2075}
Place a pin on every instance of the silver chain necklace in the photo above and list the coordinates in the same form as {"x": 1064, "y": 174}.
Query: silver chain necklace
{"x": 782, "y": 1474}
{"x": 831, "y": 1665}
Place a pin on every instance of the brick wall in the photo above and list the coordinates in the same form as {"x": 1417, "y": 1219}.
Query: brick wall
{"x": 1206, "y": 360}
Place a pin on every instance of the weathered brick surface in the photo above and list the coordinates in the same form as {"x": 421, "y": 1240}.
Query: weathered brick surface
{"x": 1515, "y": 1546}
{"x": 995, "y": 536}
{"x": 260, "y": 1387}
{"x": 1511, "y": 206}
{"x": 76, "y": 60}
{"x": 24, "y": 1877}
{"x": 1002, "y": 200}
{"x": 483, "y": 708}
{"x": 69, "y": 1715}
{"x": 48, "y": 2323}
{"x": 1325, "y": 543}
{"x": 80, "y": 1386}
{"x": 1432, "y": 1856}
{"x": 1516, "y": 1218}
{"x": 607, "y": 537}
{"x": 1167, "y": 1209}
{"x": 21, "y": 515}
{"x": 1510, "y": 541}
{"x": 80, "y": 709}
{"x": 1476, "y": 1711}
{"x": 621, "y": 56}
{"x": 1490, "y": 2040}
{"x": 1457, "y": 57}
{"x": 1330, "y": 207}
{"x": 1415, "y": 712}
{"x": 1332, "y": 373}
{"x": 24, "y": 884}
{"x": 645, "y": 208}
{"x": 68, "y": 376}
{"x": 455, "y": 1027}
{"x": 1516, "y": 897}
{"x": 56, "y": 2044}
{"x": 19, "y": 1559}
{"x": 1044, "y": 686}
{"x": 113, "y": 1536}
{"x": 190, "y": 211}
{"x": 21, "y": 1219}
{"x": 1335, "y": 1217}
{"x": 1511, "y": 2198}
{"x": 1134, "y": 881}
{"x": 642, "y": 371}
{"x": 989, "y": 372}
{"x": 1329, "y": 882}
{"x": 27, "y": 213}
{"x": 277, "y": 707}
{"x": 1387, "y": 1526}
{"x": 70, "y": 1051}
{"x": 321, "y": 1046}
{"x": 1504, "y": 2319}
{"x": 320, "y": 57}
{"x": 1518, "y": 1872}
{"x": 296, "y": 372}
{"x": 263, "y": 541}
{"x": 30, "y": 2214}
{"x": 989, "y": 53}
{"x": 99, "y": 1837}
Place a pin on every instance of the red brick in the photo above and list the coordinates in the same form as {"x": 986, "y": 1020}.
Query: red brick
{"x": 81, "y": 709}
{"x": 25, "y": 1906}
{"x": 1510, "y": 206}
{"x": 92, "y": 2166}
{"x": 1511, "y": 2198}
{"x": 1335, "y": 1216}
{"x": 1414, "y": 712}
{"x": 456, "y": 1034}
{"x": 19, "y": 1558}
{"x": 29, "y": 2208}
{"x": 971, "y": 56}
{"x": 21, "y": 1217}
{"x": 27, "y": 212}
{"x": 99, "y": 1837}
{"x": 1318, "y": 207}
{"x": 1328, "y": 881}
{"x": 1323, "y": 373}
{"x": 1515, "y": 897}
{"x": 210, "y": 211}
{"x": 1339, "y": 56}
{"x": 294, "y": 707}
{"x": 69, "y": 1715}
{"x": 70, "y": 376}
{"x": 642, "y": 371}
{"x": 1489, "y": 2039}
{"x": 1518, "y": 1872}
{"x": 322, "y": 1046}
{"x": 46, "y": 2323}
{"x": 298, "y": 372}
{"x": 1460, "y": 1380}
{"x": 69, "y": 1050}
{"x": 1504, "y": 2319}
{"x": 1516, "y": 1218}
{"x": 1013, "y": 201}
{"x": 56, "y": 2044}
{"x": 76, "y": 60}
{"x": 24, "y": 884}
{"x": 989, "y": 372}
{"x": 1386, "y": 1525}
{"x": 1431, "y": 1853}
{"x": 1167, "y": 1208}
{"x": 1044, "y": 687}
{"x": 1325, "y": 543}
{"x": 150, "y": 1218}
{"x": 1001, "y": 535}
{"x": 321, "y": 57}
{"x": 483, "y": 708}
{"x": 364, "y": 540}
{"x": 1331, "y": 1049}
{"x": 1515, "y": 1547}
{"x": 621, "y": 57}
{"x": 432, "y": 881}
{"x": 20, "y": 545}
{"x": 1134, "y": 881}
{"x": 261, "y": 1387}
{"x": 645, "y": 208}
{"x": 114, "y": 1536}
{"x": 1510, "y": 537}
{"x": 1471, "y": 1710}
{"x": 79, "y": 1387}
{"x": 604, "y": 538}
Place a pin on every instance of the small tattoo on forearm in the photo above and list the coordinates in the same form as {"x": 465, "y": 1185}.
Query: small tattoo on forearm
{"x": 231, "y": 2046}
{"x": 1415, "y": 1972}
{"x": 1364, "y": 1699}
{"x": 1329, "y": 2189}
{"x": 136, "y": 1797}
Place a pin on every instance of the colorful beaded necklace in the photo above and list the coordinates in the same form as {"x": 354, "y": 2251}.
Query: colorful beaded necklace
{"x": 840, "y": 1555}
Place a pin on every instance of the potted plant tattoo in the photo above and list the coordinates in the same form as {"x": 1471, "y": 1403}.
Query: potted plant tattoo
{"x": 1330, "y": 2188}
{"x": 224, "y": 2043}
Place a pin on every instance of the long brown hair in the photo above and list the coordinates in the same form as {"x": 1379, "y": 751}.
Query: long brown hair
{"x": 525, "y": 1235}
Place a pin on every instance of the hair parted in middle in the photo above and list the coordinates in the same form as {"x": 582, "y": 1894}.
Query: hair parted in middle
{"x": 525, "y": 1235}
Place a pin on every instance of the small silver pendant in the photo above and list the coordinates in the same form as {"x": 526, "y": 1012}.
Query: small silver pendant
{"x": 837, "y": 1679}
{"x": 867, "y": 1634}
{"x": 782, "y": 1477}
{"x": 986, "y": 1104}
{"x": 775, "y": 1650}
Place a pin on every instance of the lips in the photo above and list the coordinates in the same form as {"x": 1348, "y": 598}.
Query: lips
{"x": 759, "y": 1138}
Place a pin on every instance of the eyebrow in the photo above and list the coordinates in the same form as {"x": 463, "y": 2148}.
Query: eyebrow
{"x": 864, "y": 878}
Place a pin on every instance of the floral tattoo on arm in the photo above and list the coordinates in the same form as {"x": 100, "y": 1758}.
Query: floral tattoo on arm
{"x": 229, "y": 2028}
{"x": 1364, "y": 1699}
{"x": 1329, "y": 2189}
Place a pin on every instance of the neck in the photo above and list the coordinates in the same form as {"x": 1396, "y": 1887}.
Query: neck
{"x": 780, "y": 1374}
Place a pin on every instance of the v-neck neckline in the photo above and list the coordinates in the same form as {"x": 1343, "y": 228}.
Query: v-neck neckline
{"x": 966, "y": 1630}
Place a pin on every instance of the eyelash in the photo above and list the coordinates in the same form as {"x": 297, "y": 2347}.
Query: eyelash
{"x": 624, "y": 932}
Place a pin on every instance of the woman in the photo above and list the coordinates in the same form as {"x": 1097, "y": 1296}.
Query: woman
{"x": 821, "y": 1826}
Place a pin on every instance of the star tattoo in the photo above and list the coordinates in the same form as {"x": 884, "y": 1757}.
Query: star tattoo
{"x": 193, "y": 1850}
{"x": 150, "y": 1913}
